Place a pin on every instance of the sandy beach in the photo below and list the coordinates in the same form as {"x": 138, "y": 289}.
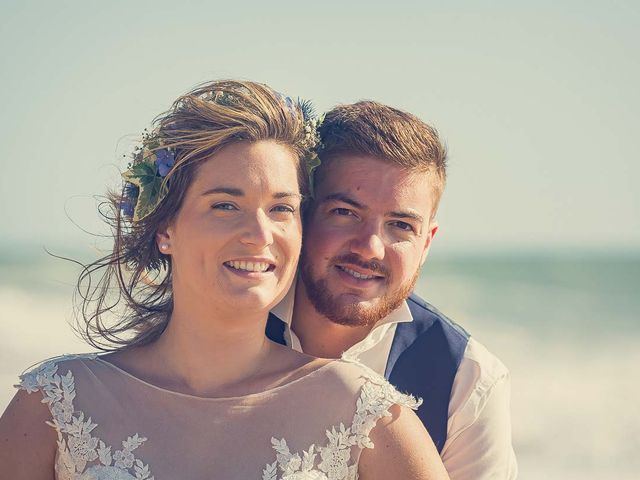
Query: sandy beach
{"x": 567, "y": 330}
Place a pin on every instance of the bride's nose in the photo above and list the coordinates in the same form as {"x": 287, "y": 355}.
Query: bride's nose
{"x": 257, "y": 230}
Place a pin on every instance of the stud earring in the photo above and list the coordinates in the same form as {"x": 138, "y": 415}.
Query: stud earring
{"x": 164, "y": 247}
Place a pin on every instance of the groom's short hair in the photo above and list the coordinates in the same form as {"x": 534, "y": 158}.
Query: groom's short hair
{"x": 373, "y": 129}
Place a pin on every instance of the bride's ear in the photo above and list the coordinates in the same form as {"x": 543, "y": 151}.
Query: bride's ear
{"x": 164, "y": 236}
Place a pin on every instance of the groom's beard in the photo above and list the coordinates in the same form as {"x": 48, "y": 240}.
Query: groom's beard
{"x": 356, "y": 314}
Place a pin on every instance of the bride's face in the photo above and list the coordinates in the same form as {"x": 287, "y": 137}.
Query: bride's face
{"x": 236, "y": 239}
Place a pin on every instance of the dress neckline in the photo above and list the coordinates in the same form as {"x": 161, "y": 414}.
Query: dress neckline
{"x": 248, "y": 396}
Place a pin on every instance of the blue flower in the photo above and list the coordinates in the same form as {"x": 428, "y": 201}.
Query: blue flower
{"x": 129, "y": 199}
{"x": 287, "y": 101}
{"x": 165, "y": 160}
{"x": 290, "y": 104}
{"x": 126, "y": 207}
{"x": 131, "y": 191}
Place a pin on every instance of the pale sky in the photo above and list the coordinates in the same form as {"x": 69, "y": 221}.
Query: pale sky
{"x": 538, "y": 104}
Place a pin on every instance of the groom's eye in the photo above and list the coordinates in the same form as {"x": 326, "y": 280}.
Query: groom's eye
{"x": 407, "y": 227}
{"x": 342, "y": 211}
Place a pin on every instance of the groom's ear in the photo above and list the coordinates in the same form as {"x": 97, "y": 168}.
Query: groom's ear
{"x": 433, "y": 229}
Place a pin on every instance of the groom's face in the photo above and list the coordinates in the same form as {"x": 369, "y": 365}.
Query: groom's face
{"x": 368, "y": 234}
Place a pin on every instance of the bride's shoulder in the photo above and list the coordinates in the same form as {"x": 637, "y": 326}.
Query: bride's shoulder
{"x": 370, "y": 387}
{"x": 351, "y": 369}
{"x": 53, "y": 371}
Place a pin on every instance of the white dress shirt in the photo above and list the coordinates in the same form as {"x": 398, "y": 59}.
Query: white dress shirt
{"x": 478, "y": 445}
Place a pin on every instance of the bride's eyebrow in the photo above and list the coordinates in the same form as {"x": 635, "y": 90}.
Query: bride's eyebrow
{"x": 237, "y": 192}
{"x": 234, "y": 192}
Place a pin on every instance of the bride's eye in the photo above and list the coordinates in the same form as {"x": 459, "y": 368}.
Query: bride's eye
{"x": 283, "y": 209}
{"x": 224, "y": 206}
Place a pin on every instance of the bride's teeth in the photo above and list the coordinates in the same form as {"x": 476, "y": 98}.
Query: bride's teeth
{"x": 249, "y": 266}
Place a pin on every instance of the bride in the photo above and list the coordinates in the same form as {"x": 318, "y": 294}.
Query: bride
{"x": 207, "y": 233}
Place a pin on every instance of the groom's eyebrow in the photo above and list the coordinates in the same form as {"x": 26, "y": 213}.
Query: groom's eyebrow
{"x": 344, "y": 198}
{"x": 287, "y": 195}
{"x": 407, "y": 214}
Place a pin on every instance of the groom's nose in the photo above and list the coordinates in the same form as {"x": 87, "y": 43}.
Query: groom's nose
{"x": 368, "y": 243}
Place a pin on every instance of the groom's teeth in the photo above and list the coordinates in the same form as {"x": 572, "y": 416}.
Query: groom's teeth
{"x": 248, "y": 266}
{"x": 358, "y": 275}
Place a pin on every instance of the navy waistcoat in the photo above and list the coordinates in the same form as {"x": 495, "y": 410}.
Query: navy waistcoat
{"x": 423, "y": 361}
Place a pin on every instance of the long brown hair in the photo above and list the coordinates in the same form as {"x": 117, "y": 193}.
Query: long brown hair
{"x": 130, "y": 304}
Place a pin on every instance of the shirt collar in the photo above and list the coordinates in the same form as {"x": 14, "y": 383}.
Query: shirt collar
{"x": 284, "y": 311}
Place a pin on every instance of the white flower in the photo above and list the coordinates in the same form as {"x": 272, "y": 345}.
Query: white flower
{"x": 308, "y": 475}
{"x": 269, "y": 472}
{"x": 290, "y": 464}
{"x": 38, "y": 377}
{"x": 65, "y": 466}
{"x": 62, "y": 411}
{"x": 28, "y": 382}
{"x": 83, "y": 449}
{"x": 142, "y": 470}
{"x": 308, "y": 458}
{"x": 104, "y": 454}
{"x": 76, "y": 446}
{"x": 123, "y": 458}
{"x": 131, "y": 443}
{"x": 102, "y": 472}
{"x": 334, "y": 462}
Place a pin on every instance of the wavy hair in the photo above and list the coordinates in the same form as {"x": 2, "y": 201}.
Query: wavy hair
{"x": 131, "y": 301}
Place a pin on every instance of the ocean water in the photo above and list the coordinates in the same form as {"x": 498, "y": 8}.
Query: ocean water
{"x": 568, "y": 328}
{"x": 566, "y": 325}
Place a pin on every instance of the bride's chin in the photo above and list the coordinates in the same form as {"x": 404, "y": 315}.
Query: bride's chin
{"x": 252, "y": 300}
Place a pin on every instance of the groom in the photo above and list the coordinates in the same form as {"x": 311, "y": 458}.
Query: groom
{"x": 367, "y": 233}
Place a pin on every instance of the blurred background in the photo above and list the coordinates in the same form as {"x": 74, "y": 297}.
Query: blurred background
{"x": 538, "y": 254}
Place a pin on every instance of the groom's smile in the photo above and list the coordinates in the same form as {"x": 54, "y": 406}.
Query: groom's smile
{"x": 366, "y": 238}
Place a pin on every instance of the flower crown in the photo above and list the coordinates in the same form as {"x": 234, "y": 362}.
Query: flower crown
{"x": 146, "y": 181}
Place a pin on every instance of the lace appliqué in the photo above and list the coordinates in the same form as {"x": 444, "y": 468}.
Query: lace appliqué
{"x": 376, "y": 397}
{"x": 77, "y": 448}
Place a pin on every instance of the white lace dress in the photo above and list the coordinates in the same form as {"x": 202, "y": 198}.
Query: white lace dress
{"x": 113, "y": 426}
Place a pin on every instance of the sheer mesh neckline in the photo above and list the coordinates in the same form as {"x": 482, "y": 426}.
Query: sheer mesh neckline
{"x": 248, "y": 396}
{"x": 210, "y": 439}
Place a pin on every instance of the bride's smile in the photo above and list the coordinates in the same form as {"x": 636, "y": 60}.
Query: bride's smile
{"x": 234, "y": 243}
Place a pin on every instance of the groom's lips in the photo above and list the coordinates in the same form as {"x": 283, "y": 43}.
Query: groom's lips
{"x": 357, "y": 276}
